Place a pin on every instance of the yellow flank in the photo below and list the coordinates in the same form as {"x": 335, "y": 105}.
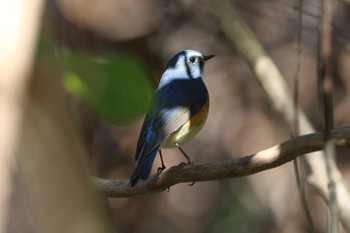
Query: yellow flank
{"x": 190, "y": 129}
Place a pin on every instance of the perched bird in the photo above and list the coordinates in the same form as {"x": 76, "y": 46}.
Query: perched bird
{"x": 179, "y": 111}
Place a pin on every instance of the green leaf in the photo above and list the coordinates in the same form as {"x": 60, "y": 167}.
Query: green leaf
{"x": 116, "y": 87}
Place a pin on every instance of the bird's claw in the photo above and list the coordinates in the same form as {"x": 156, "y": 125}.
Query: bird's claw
{"x": 160, "y": 169}
{"x": 189, "y": 163}
{"x": 191, "y": 183}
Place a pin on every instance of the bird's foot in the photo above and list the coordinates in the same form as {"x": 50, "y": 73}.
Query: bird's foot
{"x": 160, "y": 169}
{"x": 182, "y": 164}
{"x": 191, "y": 183}
{"x": 189, "y": 163}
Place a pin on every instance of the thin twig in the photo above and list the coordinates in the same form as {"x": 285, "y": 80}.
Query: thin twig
{"x": 238, "y": 167}
{"x": 295, "y": 130}
{"x": 326, "y": 92}
{"x": 299, "y": 51}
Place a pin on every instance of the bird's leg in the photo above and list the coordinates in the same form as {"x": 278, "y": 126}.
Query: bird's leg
{"x": 160, "y": 169}
{"x": 183, "y": 152}
{"x": 188, "y": 158}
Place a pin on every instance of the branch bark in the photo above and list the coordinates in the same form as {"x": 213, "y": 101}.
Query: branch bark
{"x": 238, "y": 167}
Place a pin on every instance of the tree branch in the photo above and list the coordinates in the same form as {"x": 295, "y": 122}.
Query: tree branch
{"x": 325, "y": 88}
{"x": 238, "y": 167}
{"x": 295, "y": 127}
{"x": 279, "y": 95}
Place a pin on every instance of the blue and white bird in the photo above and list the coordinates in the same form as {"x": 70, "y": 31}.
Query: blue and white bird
{"x": 179, "y": 111}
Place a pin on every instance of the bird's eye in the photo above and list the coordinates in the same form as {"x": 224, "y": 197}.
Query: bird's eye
{"x": 193, "y": 59}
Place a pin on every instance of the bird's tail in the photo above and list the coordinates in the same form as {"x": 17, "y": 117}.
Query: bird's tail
{"x": 143, "y": 167}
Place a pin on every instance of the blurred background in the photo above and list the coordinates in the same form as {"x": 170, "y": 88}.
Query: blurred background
{"x": 109, "y": 56}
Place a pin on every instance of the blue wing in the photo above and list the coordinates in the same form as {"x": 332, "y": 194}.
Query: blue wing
{"x": 175, "y": 103}
{"x": 144, "y": 162}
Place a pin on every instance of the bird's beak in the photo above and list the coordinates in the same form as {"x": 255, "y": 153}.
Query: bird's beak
{"x": 206, "y": 58}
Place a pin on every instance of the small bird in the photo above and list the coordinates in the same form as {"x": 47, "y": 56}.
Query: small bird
{"x": 179, "y": 111}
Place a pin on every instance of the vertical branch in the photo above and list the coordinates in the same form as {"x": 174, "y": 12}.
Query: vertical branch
{"x": 329, "y": 151}
{"x": 19, "y": 23}
{"x": 295, "y": 127}
{"x": 325, "y": 65}
{"x": 326, "y": 90}
{"x": 299, "y": 50}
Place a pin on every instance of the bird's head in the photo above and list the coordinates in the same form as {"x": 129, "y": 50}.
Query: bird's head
{"x": 188, "y": 64}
